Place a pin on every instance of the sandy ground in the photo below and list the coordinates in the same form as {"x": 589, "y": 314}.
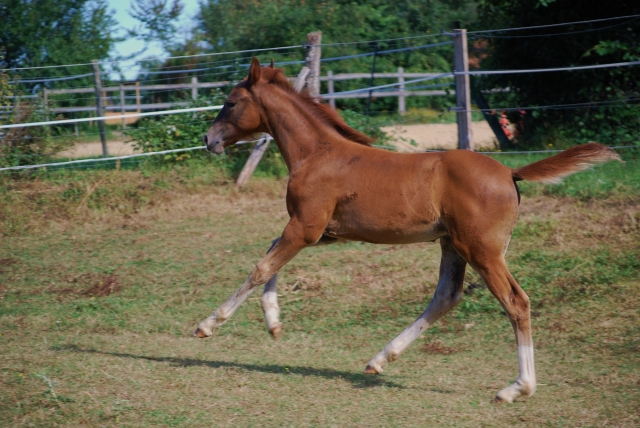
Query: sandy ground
{"x": 425, "y": 137}
{"x": 85, "y": 150}
{"x": 438, "y": 136}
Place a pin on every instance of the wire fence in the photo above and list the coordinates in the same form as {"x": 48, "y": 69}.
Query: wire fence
{"x": 234, "y": 64}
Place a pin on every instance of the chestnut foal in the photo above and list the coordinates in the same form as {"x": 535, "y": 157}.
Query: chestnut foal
{"x": 342, "y": 188}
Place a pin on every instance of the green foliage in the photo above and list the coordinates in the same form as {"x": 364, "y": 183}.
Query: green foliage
{"x": 360, "y": 123}
{"x": 55, "y": 32}
{"x": 29, "y": 145}
{"x": 248, "y": 24}
{"x": 158, "y": 19}
{"x": 52, "y": 33}
{"x": 567, "y": 46}
{"x": 176, "y": 131}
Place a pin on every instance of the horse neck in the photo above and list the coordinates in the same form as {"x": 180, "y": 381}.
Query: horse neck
{"x": 293, "y": 125}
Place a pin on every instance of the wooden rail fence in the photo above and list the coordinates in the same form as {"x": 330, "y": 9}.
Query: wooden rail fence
{"x": 194, "y": 86}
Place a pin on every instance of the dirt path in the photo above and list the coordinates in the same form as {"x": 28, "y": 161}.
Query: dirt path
{"x": 437, "y": 136}
{"x": 85, "y": 150}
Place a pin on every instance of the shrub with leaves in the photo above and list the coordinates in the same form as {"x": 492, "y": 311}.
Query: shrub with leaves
{"x": 27, "y": 145}
{"x": 359, "y": 122}
{"x": 176, "y": 131}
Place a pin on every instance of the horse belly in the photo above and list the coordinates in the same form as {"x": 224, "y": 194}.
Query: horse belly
{"x": 392, "y": 233}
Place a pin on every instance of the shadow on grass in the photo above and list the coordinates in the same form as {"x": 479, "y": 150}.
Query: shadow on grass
{"x": 357, "y": 379}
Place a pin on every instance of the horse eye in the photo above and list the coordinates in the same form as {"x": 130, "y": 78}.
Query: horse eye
{"x": 231, "y": 103}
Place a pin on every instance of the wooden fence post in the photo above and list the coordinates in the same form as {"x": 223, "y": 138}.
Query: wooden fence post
{"x": 401, "y": 100}
{"x": 194, "y": 88}
{"x": 300, "y": 81}
{"x": 332, "y": 101}
{"x": 45, "y": 99}
{"x": 313, "y": 62}
{"x": 138, "y": 96}
{"x": 252, "y": 162}
{"x": 99, "y": 113}
{"x": 122, "y": 101}
{"x": 463, "y": 90}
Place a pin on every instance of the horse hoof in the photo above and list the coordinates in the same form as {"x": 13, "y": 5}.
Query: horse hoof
{"x": 371, "y": 370}
{"x": 276, "y": 331}
{"x": 199, "y": 333}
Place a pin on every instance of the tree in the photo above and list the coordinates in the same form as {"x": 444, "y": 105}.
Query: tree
{"x": 230, "y": 25}
{"x": 566, "y": 46}
{"x": 38, "y": 33}
{"x": 158, "y": 20}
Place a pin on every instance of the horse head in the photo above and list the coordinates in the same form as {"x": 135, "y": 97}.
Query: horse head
{"x": 240, "y": 117}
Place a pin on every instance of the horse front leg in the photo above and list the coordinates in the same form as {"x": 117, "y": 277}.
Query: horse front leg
{"x": 269, "y": 303}
{"x": 294, "y": 238}
{"x": 269, "y": 300}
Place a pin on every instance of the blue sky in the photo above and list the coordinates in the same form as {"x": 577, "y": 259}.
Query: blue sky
{"x": 122, "y": 7}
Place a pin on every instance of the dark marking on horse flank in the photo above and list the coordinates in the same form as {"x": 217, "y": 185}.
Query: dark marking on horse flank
{"x": 354, "y": 160}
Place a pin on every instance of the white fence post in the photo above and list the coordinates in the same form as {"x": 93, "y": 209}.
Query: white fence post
{"x": 401, "y": 105}
{"x": 463, "y": 90}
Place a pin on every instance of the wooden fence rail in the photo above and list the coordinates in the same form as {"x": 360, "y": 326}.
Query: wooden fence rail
{"x": 194, "y": 86}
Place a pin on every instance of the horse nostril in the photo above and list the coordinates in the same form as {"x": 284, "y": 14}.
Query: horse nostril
{"x": 205, "y": 139}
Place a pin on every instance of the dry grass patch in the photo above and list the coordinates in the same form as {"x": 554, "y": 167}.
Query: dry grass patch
{"x": 96, "y": 314}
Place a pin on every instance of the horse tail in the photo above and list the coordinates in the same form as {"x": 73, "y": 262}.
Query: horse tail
{"x": 578, "y": 158}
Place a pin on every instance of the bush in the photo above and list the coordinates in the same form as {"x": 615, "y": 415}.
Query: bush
{"x": 176, "y": 131}
{"x": 359, "y": 122}
{"x": 28, "y": 145}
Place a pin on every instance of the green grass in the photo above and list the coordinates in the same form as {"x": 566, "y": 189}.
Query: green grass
{"x": 98, "y": 300}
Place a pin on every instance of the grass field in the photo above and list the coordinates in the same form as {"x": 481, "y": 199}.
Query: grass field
{"x": 105, "y": 274}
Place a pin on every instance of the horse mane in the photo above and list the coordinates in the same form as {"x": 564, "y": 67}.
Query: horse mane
{"x": 276, "y": 77}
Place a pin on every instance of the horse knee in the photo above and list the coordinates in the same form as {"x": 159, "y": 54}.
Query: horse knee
{"x": 261, "y": 273}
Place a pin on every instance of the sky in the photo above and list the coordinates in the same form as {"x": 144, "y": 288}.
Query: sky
{"x": 121, "y": 9}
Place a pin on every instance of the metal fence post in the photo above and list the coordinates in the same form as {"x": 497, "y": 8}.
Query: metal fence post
{"x": 463, "y": 89}
{"x": 98, "y": 87}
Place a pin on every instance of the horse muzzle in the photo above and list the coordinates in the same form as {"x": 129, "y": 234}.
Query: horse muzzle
{"x": 214, "y": 145}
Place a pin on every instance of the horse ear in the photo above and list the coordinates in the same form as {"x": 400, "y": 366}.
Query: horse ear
{"x": 272, "y": 63}
{"x": 254, "y": 72}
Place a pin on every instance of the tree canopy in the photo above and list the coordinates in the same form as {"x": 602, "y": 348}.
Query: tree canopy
{"x": 54, "y": 32}
{"x": 567, "y": 46}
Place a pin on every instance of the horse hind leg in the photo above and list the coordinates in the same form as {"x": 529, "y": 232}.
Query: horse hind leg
{"x": 447, "y": 295}
{"x": 517, "y": 306}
